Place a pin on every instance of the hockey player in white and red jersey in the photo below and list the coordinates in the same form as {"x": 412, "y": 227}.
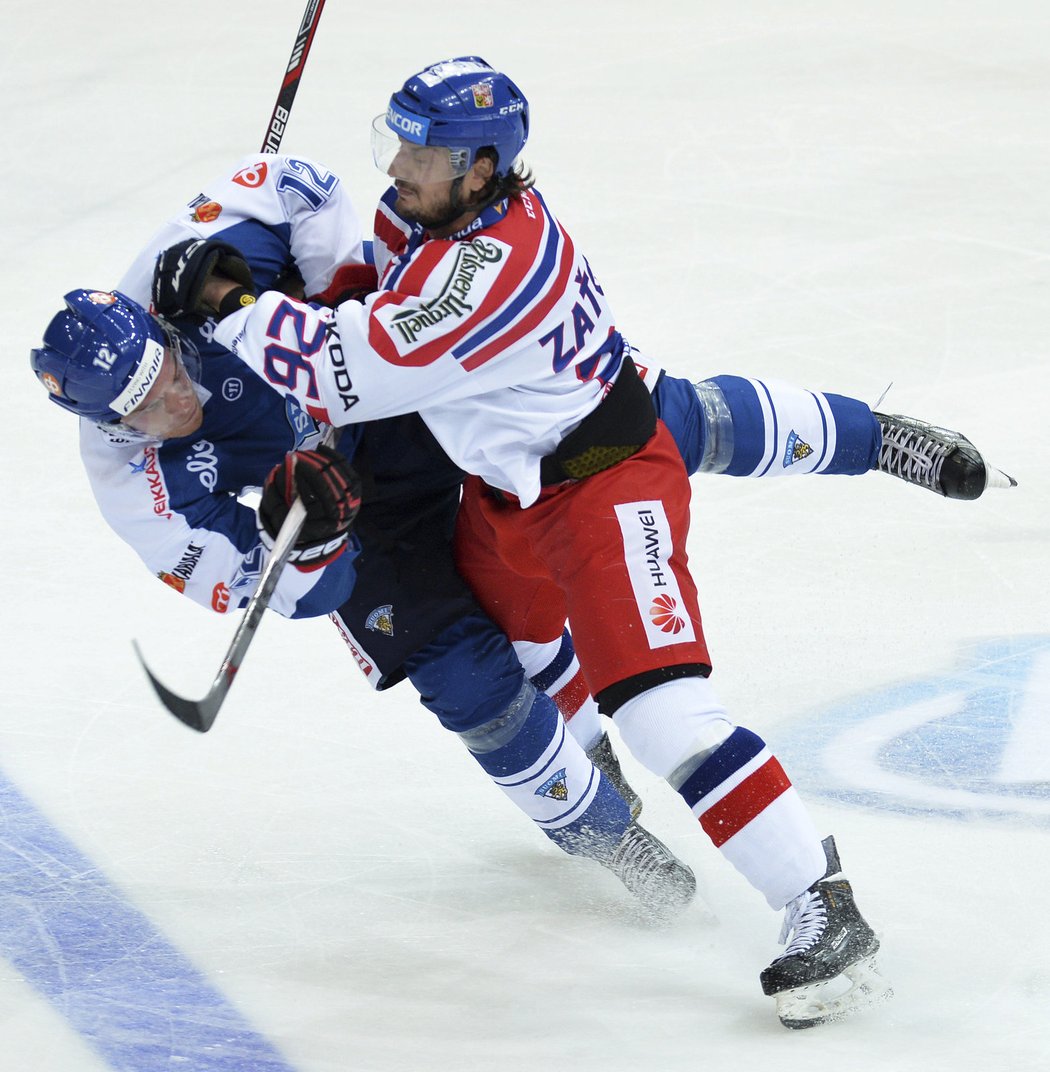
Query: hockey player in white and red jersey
{"x": 174, "y": 429}
{"x": 492, "y": 324}
{"x": 294, "y": 223}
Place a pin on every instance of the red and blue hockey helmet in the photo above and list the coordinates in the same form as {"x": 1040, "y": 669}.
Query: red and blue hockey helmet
{"x": 101, "y": 355}
{"x": 463, "y": 105}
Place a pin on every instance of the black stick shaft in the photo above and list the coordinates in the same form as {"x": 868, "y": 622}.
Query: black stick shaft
{"x": 292, "y": 76}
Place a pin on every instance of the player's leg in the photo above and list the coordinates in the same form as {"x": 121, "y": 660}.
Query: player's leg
{"x": 471, "y": 679}
{"x": 749, "y": 427}
{"x": 762, "y": 428}
{"x": 554, "y": 668}
{"x": 408, "y": 592}
{"x": 617, "y": 541}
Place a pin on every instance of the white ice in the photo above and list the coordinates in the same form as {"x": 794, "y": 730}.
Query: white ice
{"x": 839, "y": 194}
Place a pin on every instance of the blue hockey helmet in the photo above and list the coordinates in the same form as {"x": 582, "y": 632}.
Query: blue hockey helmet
{"x": 101, "y": 355}
{"x": 463, "y": 104}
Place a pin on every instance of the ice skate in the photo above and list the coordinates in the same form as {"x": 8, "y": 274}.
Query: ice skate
{"x": 604, "y": 758}
{"x": 827, "y": 972}
{"x": 936, "y": 458}
{"x": 648, "y": 868}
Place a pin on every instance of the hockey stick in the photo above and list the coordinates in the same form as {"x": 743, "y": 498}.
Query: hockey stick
{"x": 200, "y": 714}
{"x": 293, "y": 75}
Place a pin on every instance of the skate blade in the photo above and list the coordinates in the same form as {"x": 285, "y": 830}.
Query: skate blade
{"x": 996, "y": 478}
{"x": 827, "y": 1002}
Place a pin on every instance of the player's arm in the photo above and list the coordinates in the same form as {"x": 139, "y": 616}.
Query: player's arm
{"x": 324, "y": 358}
{"x": 209, "y": 546}
{"x": 282, "y": 213}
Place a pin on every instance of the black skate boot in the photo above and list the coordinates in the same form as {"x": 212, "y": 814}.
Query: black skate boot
{"x": 648, "y": 868}
{"x": 936, "y": 458}
{"x": 604, "y": 758}
{"x": 828, "y": 970}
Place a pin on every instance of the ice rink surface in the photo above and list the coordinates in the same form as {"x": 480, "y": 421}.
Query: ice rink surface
{"x": 840, "y": 194}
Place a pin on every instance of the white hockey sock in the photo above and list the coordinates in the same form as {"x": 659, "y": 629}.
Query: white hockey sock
{"x": 672, "y": 723}
{"x": 554, "y": 668}
{"x": 731, "y": 782}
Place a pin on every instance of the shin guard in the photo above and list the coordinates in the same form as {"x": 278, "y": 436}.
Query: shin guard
{"x": 528, "y": 752}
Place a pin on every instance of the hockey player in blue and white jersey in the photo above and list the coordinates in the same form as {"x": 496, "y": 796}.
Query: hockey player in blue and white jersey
{"x": 293, "y": 219}
{"x": 845, "y": 436}
{"x": 170, "y": 441}
{"x": 491, "y": 322}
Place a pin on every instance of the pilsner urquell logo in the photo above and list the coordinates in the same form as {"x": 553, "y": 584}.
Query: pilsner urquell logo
{"x": 452, "y": 301}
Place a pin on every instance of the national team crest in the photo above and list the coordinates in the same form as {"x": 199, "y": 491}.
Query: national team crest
{"x": 381, "y": 620}
{"x": 482, "y": 95}
{"x": 797, "y": 449}
{"x": 555, "y": 787}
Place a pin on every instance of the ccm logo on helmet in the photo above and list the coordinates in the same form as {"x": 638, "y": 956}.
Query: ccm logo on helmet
{"x": 410, "y": 126}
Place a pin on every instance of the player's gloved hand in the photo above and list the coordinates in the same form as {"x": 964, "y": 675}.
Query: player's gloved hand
{"x": 331, "y": 493}
{"x": 183, "y": 269}
{"x": 355, "y": 281}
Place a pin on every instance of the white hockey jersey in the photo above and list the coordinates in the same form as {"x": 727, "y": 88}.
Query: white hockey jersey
{"x": 310, "y": 217}
{"x": 176, "y": 502}
{"x": 501, "y": 337}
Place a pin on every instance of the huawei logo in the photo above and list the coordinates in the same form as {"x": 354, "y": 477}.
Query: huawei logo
{"x": 665, "y": 616}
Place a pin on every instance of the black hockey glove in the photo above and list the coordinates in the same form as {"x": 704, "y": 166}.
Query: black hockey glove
{"x": 331, "y": 493}
{"x": 183, "y": 269}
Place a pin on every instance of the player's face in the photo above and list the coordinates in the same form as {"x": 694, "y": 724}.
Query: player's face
{"x": 172, "y": 408}
{"x": 430, "y": 205}
{"x": 423, "y": 177}
{"x": 442, "y": 206}
{"x": 423, "y": 165}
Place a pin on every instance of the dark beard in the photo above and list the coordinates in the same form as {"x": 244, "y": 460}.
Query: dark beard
{"x": 435, "y": 220}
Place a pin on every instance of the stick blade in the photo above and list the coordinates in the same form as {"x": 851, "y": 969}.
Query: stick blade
{"x": 197, "y": 714}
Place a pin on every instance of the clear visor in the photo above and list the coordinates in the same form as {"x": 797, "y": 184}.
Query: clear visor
{"x": 182, "y": 347}
{"x": 165, "y": 408}
{"x": 417, "y": 164}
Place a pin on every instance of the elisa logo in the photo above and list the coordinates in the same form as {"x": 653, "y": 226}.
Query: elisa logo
{"x": 665, "y": 616}
{"x": 971, "y": 742}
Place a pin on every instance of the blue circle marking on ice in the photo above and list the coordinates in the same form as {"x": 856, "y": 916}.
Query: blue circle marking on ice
{"x": 974, "y": 741}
